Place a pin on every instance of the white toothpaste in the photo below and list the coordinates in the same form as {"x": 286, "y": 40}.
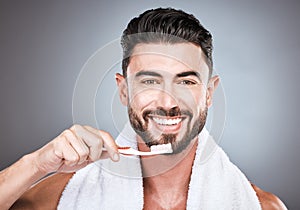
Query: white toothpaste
{"x": 162, "y": 148}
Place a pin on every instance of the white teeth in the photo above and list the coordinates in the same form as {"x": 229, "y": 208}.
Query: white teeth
{"x": 167, "y": 121}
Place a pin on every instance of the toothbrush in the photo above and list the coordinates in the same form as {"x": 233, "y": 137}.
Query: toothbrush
{"x": 155, "y": 150}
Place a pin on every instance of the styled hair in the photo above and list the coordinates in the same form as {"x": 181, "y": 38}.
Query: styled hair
{"x": 165, "y": 25}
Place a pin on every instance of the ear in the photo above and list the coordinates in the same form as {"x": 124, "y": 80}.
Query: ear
{"x": 122, "y": 86}
{"x": 212, "y": 85}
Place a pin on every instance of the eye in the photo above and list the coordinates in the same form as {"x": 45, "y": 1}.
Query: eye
{"x": 187, "y": 82}
{"x": 150, "y": 82}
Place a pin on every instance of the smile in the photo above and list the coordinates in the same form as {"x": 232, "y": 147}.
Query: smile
{"x": 167, "y": 124}
{"x": 164, "y": 121}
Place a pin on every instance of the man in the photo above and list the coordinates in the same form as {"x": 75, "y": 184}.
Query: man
{"x": 167, "y": 85}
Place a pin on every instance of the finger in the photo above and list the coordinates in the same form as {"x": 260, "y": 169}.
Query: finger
{"x": 78, "y": 144}
{"x": 108, "y": 141}
{"x": 67, "y": 152}
{"x": 105, "y": 155}
{"x": 93, "y": 142}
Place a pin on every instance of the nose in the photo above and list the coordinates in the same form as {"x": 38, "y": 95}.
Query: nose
{"x": 166, "y": 100}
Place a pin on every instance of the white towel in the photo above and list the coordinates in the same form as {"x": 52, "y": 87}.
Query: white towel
{"x": 216, "y": 183}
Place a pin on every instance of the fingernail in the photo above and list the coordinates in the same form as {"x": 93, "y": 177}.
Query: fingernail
{"x": 116, "y": 157}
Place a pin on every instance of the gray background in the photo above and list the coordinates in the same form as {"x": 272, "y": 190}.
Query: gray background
{"x": 44, "y": 44}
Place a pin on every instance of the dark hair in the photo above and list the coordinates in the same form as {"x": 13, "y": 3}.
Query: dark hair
{"x": 165, "y": 25}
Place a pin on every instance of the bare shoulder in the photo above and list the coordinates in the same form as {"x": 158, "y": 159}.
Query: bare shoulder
{"x": 268, "y": 200}
{"x": 45, "y": 194}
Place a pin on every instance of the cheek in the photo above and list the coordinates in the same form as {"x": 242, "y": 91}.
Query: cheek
{"x": 195, "y": 98}
{"x": 142, "y": 99}
{"x": 201, "y": 99}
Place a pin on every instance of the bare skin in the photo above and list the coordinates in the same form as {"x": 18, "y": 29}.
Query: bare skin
{"x": 171, "y": 83}
{"x": 72, "y": 150}
{"x": 46, "y": 194}
{"x": 158, "y": 193}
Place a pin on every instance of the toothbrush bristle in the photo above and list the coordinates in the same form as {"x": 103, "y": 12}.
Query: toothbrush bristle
{"x": 164, "y": 148}
{"x": 123, "y": 147}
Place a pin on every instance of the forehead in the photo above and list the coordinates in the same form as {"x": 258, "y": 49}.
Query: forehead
{"x": 172, "y": 58}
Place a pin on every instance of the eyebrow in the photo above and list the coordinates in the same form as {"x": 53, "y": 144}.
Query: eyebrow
{"x": 189, "y": 73}
{"x": 147, "y": 73}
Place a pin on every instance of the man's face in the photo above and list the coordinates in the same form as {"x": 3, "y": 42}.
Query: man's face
{"x": 166, "y": 93}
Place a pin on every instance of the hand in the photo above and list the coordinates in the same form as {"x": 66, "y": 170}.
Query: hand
{"x": 75, "y": 148}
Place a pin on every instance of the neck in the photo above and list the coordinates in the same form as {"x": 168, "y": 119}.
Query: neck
{"x": 168, "y": 176}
